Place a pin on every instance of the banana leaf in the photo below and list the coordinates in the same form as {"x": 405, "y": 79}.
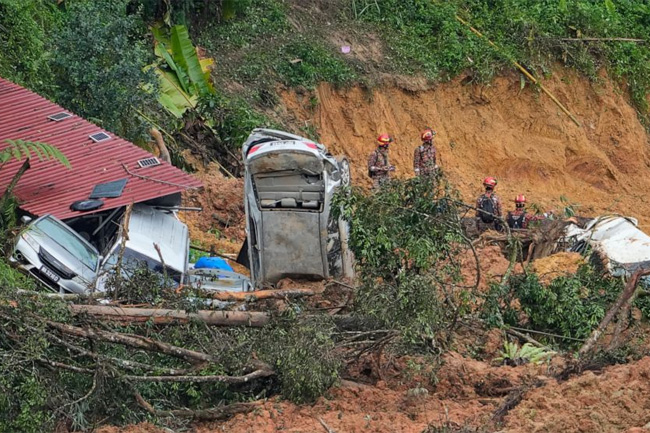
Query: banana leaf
{"x": 171, "y": 94}
{"x": 184, "y": 81}
{"x": 185, "y": 57}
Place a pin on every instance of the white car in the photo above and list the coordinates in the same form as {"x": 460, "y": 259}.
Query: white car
{"x": 57, "y": 256}
{"x": 289, "y": 185}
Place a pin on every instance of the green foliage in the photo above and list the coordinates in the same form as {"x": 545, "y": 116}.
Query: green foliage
{"x": 424, "y": 36}
{"x": 512, "y": 354}
{"x": 19, "y": 149}
{"x": 184, "y": 54}
{"x": 98, "y": 60}
{"x": 571, "y": 306}
{"x": 302, "y": 353}
{"x": 258, "y": 20}
{"x": 406, "y": 238}
{"x": 182, "y": 77}
{"x": 307, "y": 63}
{"x": 232, "y": 118}
{"x": 24, "y": 29}
{"x": 260, "y": 48}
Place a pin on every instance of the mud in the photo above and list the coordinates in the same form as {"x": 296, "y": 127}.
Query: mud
{"x": 221, "y": 224}
{"x": 519, "y": 136}
{"x": 557, "y": 265}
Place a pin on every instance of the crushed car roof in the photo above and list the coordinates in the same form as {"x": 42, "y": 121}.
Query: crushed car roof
{"x": 96, "y": 157}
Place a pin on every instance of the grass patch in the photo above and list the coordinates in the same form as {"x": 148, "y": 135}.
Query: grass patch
{"x": 425, "y": 37}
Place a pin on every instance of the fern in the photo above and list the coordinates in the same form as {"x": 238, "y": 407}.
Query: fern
{"x": 22, "y": 149}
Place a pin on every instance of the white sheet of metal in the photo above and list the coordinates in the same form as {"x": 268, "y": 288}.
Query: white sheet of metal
{"x": 617, "y": 238}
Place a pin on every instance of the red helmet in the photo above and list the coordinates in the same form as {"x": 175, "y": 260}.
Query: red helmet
{"x": 490, "y": 181}
{"x": 427, "y": 134}
{"x": 520, "y": 199}
{"x": 384, "y": 140}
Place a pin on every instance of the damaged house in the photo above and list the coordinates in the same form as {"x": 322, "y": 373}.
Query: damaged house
{"x": 75, "y": 213}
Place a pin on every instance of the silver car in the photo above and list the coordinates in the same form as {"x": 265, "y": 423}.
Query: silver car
{"x": 291, "y": 233}
{"x": 57, "y": 256}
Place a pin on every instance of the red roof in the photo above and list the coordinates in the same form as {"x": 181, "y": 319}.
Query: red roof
{"x": 48, "y": 186}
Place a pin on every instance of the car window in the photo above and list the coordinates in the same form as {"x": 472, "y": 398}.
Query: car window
{"x": 63, "y": 236}
{"x": 132, "y": 260}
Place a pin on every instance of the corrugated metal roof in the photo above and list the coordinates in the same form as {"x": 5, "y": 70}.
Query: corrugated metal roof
{"x": 49, "y": 187}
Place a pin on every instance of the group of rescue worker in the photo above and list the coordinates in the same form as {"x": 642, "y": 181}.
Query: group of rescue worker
{"x": 489, "y": 214}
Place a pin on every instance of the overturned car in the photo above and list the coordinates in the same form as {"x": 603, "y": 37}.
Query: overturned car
{"x": 289, "y": 185}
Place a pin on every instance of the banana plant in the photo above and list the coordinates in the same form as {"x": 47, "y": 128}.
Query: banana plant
{"x": 512, "y": 354}
{"x": 183, "y": 77}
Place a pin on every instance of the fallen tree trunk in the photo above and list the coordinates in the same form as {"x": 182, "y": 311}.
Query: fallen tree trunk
{"x": 215, "y": 318}
{"x": 230, "y": 380}
{"x": 624, "y": 297}
{"x": 165, "y": 316}
{"x": 262, "y": 294}
{"x": 135, "y": 341}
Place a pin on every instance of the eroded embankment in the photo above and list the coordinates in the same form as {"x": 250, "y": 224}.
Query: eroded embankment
{"x": 519, "y": 136}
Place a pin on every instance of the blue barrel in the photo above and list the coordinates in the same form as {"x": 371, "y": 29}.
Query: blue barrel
{"x": 212, "y": 263}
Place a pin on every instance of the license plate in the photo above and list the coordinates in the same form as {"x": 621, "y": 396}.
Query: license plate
{"x": 49, "y": 274}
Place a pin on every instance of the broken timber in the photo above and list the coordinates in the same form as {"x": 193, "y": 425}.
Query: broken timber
{"x": 161, "y": 316}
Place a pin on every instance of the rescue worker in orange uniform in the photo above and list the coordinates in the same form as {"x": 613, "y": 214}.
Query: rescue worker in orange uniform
{"x": 424, "y": 156}
{"x": 488, "y": 207}
{"x": 519, "y": 218}
{"x": 379, "y": 167}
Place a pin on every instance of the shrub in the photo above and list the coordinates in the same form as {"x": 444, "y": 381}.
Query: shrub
{"x": 98, "y": 60}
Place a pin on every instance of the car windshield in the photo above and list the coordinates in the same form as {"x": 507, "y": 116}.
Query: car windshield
{"x": 65, "y": 238}
{"x": 133, "y": 260}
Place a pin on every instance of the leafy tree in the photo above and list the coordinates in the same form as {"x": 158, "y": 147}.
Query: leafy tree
{"x": 23, "y": 33}
{"x": 99, "y": 57}
{"x": 406, "y": 238}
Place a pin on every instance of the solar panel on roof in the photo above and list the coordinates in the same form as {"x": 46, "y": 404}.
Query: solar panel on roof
{"x": 148, "y": 162}
{"x": 109, "y": 189}
{"x": 59, "y": 116}
{"x": 99, "y": 136}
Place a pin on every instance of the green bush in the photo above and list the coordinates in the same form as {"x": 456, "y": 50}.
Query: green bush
{"x": 25, "y": 26}
{"x": 305, "y": 63}
{"x": 571, "y": 306}
{"x": 98, "y": 60}
{"x": 302, "y": 353}
{"x": 406, "y": 238}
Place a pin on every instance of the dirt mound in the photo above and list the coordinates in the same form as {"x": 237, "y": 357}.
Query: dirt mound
{"x": 466, "y": 395}
{"x": 519, "y": 136}
{"x": 221, "y": 224}
{"x": 557, "y": 265}
{"x": 612, "y": 401}
{"x": 493, "y": 265}
{"x": 145, "y": 427}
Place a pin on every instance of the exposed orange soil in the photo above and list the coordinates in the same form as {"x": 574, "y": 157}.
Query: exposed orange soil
{"x": 519, "y": 136}
{"x": 221, "y": 224}
{"x": 612, "y": 402}
{"x": 557, "y": 265}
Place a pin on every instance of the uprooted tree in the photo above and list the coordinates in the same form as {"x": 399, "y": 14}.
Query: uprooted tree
{"x": 68, "y": 360}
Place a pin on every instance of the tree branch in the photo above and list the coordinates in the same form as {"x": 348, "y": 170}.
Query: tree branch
{"x": 230, "y": 380}
{"x": 203, "y": 415}
{"x": 625, "y": 295}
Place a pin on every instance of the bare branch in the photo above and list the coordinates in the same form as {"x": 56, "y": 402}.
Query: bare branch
{"x": 204, "y": 414}
{"x": 230, "y": 380}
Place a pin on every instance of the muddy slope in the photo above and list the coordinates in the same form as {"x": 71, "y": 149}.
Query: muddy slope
{"x": 519, "y": 136}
